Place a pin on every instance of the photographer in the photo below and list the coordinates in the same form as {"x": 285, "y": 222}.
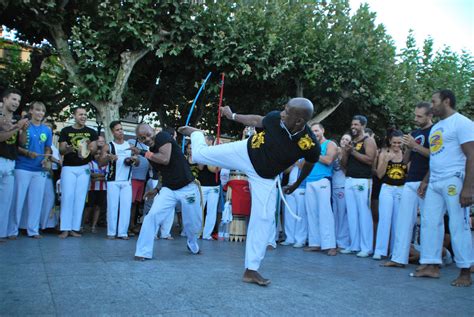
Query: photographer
{"x": 118, "y": 156}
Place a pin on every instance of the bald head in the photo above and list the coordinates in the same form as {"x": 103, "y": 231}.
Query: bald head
{"x": 145, "y": 134}
{"x": 302, "y": 107}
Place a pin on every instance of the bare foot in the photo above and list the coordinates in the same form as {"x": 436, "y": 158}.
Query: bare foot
{"x": 312, "y": 249}
{"x": 169, "y": 238}
{"x": 75, "y": 234}
{"x": 392, "y": 264}
{"x": 187, "y": 130}
{"x": 421, "y": 267}
{"x": 254, "y": 277}
{"x": 12, "y": 238}
{"x": 110, "y": 237}
{"x": 123, "y": 238}
{"x": 37, "y": 236}
{"x": 464, "y": 279}
{"x": 63, "y": 235}
{"x": 139, "y": 258}
{"x": 270, "y": 247}
{"x": 431, "y": 270}
{"x": 332, "y": 252}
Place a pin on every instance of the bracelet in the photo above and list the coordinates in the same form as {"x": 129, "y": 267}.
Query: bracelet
{"x": 233, "y": 116}
{"x": 148, "y": 154}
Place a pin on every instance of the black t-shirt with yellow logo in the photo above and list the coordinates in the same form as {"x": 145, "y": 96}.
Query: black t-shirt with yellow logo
{"x": 9, "y": 147}
{"x": 271, "y": 151}
{"x": 75, "y": 137}
{"x": 395, "y": 174}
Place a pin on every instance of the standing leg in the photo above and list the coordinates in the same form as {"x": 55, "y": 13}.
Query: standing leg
{"x": 386, "y": 205}
{"x": 352, "y": 215}
{"x": 340, "y": 218}
{"x": 22, "y": 183}
{"x": 365, "y": 217}
{"x": 289, "y": 221}
{"x": 80, "y": 194}
{"x": 314, "y": 235}
{"x": 326, "y": 217}
{"x": 192, "y": 214}
{"x": 68, "y": 183}
{"x": 125, "y": 206}
{"x": 113, "y": 199}
{"x": 162, "y": 205}
{"x": 212, "y": 202}
{"x": 301, "y": 226}
{"x": 6, "y": 193}
{"x": 35, "y": 200}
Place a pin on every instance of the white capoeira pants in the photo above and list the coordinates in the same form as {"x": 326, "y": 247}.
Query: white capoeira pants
{"x": 440, "y": 196}
{"x": 389, "y": 206}
{"x": 210, "y": 195}
{"x": 29, "y": 191}
{"x": 163, "y": 206}
{"x": 48, "y": 219}
{"x": 7, "y": 180}
{"x": 359, "y": 216}
{"x": 296, "y": 230}
{"x": 263, "y": 192}
{"x": 406, "y": 219}
{"x": 74, "y": 186}
{"x": 343, "y": 239}
{"x": 321, "y": 227}
{"x": 119, "y": 197}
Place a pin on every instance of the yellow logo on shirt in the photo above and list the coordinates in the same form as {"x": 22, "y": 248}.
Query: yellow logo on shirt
{"x": 358, "y": 146}
{"x": 396, "y": 172}
{"x": 436, "y": 141}
{"x": 452, "y": 190}
{"x": 11, "y": 140}
{"x": 305, "y": 143}
{"x": 258, "y": 139}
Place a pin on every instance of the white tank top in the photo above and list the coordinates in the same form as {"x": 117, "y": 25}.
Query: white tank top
{"x": 122, "y": 151}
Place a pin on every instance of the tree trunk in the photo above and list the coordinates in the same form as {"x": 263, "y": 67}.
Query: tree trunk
{"x": 108, "y": 111}
{"x": 299, "y": 87}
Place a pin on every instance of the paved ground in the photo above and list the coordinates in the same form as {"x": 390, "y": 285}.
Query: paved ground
{"x": 94, "y": 276}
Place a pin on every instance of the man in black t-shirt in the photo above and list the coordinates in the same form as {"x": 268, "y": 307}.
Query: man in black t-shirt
{"x": 284, "y": 138}
{"x": 177, "y": 186}
{"x": 418, "y": 152}
{"x": 9, "y": 132}
{"x": 78, "y": 144}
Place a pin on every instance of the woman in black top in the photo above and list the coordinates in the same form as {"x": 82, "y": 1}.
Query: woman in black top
{"x": 392, "y": 171}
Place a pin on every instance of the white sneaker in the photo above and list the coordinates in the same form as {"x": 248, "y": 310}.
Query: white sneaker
{"x": 285, "y": 243}
{"x": 298, "y": 245}
{"x": 346, "y": 251}
{"x": 362, "y": 254}
{"x": 377, "y": 257}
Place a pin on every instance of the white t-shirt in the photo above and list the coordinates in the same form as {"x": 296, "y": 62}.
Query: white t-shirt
{"x": 56, "y": 155}
{"x": 122, "y": 151}
{"x": 446, "y": 155}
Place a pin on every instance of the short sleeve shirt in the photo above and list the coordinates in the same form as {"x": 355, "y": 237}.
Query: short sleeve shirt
{"x": 74, "y": 137}
{"x": 177, "y": 173}
{"x": 272, "y": 150}
{"x": 9, "y": 148}
{"x": 446, "y": 137}
{"x": 419, "y": 164}
{"x": 38, "y": 138}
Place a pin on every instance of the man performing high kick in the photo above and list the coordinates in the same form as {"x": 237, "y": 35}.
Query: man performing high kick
{"x": 285, "y": 138}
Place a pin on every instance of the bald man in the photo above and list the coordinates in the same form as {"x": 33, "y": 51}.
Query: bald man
{"x": 283, "y": 139}
{"x": 177, "y": 185}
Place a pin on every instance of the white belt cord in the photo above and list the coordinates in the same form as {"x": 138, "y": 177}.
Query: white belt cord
{"x": 278, "y": 183}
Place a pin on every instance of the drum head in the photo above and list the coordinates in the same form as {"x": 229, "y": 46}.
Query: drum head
{"x": 84, "y": 148}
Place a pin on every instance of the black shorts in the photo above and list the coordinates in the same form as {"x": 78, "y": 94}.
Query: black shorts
{"x": 97, "y": 198}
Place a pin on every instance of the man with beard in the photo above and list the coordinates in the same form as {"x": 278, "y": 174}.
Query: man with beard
{"x": 417, "y": 154}
{"x": 449, "y": 185}
{"x": 357, "y": 158}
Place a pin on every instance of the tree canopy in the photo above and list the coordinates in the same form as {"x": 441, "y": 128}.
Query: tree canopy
{"x": 112, "y": 53}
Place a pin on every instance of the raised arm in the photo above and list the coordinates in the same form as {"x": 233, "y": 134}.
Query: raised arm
{"x": 246, "y": 119}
